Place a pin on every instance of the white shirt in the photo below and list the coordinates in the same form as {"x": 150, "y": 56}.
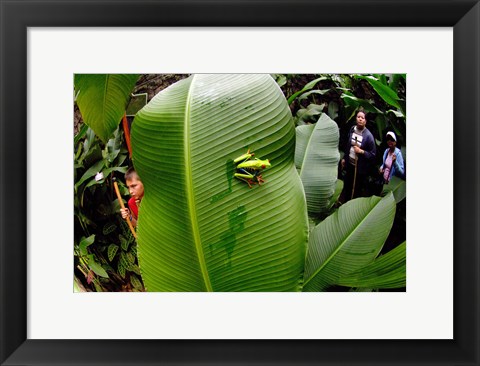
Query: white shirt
{"x": 356, "y": 140}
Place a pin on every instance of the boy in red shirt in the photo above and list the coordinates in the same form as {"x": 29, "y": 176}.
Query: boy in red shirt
{"x": 135, "y": 188}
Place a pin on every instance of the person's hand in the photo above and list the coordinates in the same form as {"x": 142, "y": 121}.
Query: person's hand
{"x": 394, "y": 157}
{"x": 380, "y": 170}
{"x": 342, "y": 163}
{"x": 125, "y": 212}
{"x": 357, "y": 150}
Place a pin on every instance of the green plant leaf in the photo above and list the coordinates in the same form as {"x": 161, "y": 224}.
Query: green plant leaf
{"x": 398, "y": 186}
{"x": 398, "y": 114}
{"x": 319, "y": 168}
{"x": 280, "y": 79}
{"x": 382, "y": 78}
{"x": 123, "y": 242}
{"x": 336, "y": 194}
{"x": 200, "y": 228}
{"x": 380, "y": 122}
{"x": 80, "y": 134}
{"x": 386, "y": 272}
{"x": 133, "y": 250}
{"x": 347, "y": 240}
{"x": 126, "y": 232}
{"x": 109, "y": 228}
{"x": 113, "y": 147}
{"x": 102, "y": 99}
{"x": 108, "y": 171}
{"x": 121, "y": 269}
{"x": 396, "y": 79}
{"x": 303, "y": 134}
{"x": 358, "y": 102}
{"x": 308, "y": 86}
{"x": 136, "y": 282}
{"x": 112, "y": 250}
{"x": 90, "y": 140}
{"x": 135, "y": 269}
{"x": 130, "y": 258}
{"x": 307, "y": 94}
{"x": 333, "y": 110}
{"x": 310, "y": 111}
{"x": 384, "y": 91}
{"x": 94, "y": 169}
{"x": 97, "y": 268}
{"x": 94, "y": 154}
{"x": 84, "y": 243}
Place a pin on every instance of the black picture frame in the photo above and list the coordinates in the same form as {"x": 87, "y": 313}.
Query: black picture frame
{"x": 18, "y": 15}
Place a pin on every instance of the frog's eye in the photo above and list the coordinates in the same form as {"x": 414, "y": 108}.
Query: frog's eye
{"x": 263, "y": 166}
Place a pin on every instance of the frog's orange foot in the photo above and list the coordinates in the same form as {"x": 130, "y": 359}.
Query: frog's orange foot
{"x": 251, "y": 183}
{"x": 260, "y": 180}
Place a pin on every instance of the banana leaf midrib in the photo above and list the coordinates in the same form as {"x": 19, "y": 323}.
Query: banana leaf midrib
{"x": 306, "y": 150}
{"x": 105, "y": 97}
{"x": 190, "y": 192}
{"x": 339, "y": 247}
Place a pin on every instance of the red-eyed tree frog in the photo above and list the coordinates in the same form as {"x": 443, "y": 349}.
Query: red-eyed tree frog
{"x": 250, "y": 169}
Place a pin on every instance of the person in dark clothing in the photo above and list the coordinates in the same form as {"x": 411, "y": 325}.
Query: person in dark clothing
{"x": 359, "y": 157}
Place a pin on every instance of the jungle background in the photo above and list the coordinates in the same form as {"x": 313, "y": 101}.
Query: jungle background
{"x": 105, "y": 251}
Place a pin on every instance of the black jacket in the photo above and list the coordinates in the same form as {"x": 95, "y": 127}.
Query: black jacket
{"x": 366, "y": 160}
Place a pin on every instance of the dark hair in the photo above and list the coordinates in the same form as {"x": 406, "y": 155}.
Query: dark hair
{"x": 131, "y": 173}
{"x": 363, "y": 111}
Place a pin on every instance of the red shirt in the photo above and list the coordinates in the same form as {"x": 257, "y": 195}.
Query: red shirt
{"x": 133, "y": 207}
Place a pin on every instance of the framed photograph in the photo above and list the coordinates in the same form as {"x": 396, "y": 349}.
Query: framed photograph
{"x": 44, "y": 44}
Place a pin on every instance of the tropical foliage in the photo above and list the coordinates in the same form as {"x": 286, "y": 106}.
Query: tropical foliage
{"x": 200, "y": 228}
{"x": 317, "y": 157}
{"x": 382, "y": 96}
{"x": 104, "y": 247}
{"x": 103, "y": 98}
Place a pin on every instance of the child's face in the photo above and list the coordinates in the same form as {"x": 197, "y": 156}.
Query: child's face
{"x": 135, "y": 188}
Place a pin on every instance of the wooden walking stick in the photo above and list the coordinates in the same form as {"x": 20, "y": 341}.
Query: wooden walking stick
{"x": 355, "y": 173}
{"x": 120, "y": 200}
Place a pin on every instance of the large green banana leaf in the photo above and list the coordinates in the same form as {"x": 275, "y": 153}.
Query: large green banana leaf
{"x": 102, "y": 99}
{"x": 398, "y": 187}
{"x": 303, "y": 134}
{"x": 319, "y": 164}
{"x": 347, "y": 240}
{"x": 387, "y": 271}
{"x": 200, "y": 228}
